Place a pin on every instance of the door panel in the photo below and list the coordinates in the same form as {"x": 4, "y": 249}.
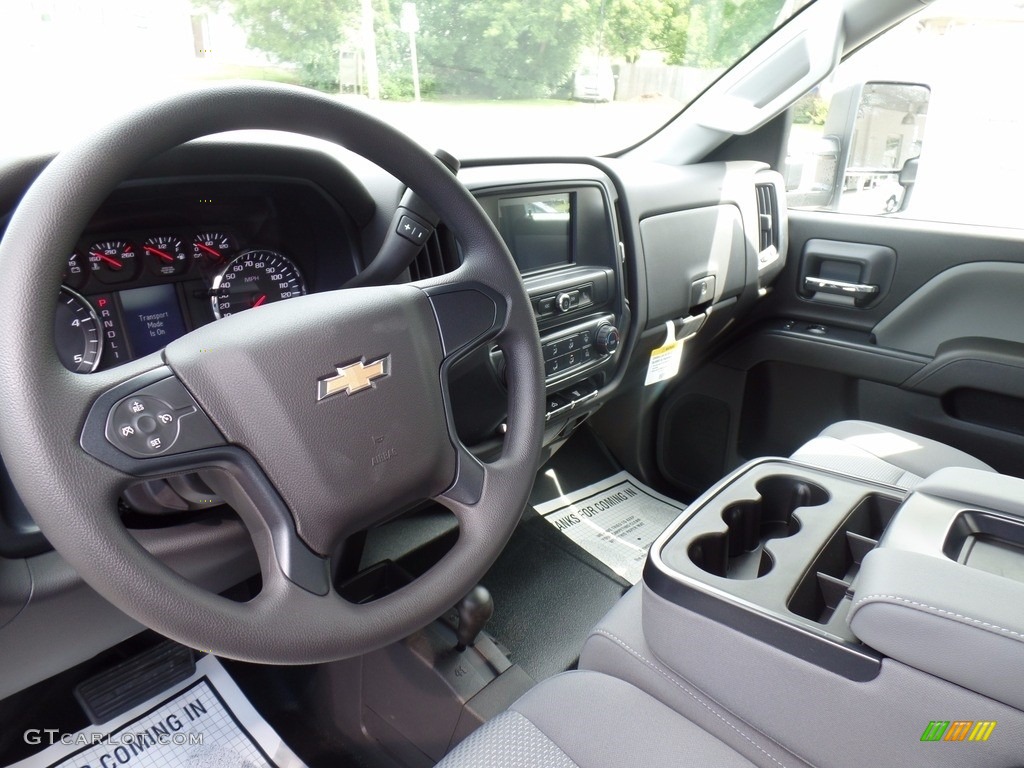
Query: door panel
{"x": 980, "y": 299}
{"x": 940, "y": 353}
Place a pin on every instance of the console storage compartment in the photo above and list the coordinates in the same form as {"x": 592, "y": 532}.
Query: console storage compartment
{"x": 947, "y": 583}
{"x": 828, "y": 580}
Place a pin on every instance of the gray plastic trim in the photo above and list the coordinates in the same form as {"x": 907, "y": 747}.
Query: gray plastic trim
{"x": 977, "y": 299}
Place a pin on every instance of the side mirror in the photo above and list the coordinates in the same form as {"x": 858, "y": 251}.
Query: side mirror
{"x": 876, "y": 130}
{"x": 907, "y": 179}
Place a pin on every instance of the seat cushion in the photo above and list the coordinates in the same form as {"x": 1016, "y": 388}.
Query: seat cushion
{"x": 590, "y": 720}
{"x": 883, "y": 454}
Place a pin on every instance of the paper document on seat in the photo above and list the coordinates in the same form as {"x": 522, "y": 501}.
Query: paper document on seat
{"x": 616, "y": 520}
{"x": 202, "y": 722}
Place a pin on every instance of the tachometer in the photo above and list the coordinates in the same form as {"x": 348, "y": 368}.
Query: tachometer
{"x": 76, "y": 333}
{"x": 255, "y": 278}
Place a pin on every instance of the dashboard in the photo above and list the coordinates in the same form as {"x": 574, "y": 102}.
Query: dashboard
{"x": 611, "y": 252}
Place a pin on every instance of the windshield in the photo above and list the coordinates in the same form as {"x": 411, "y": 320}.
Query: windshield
{"x": 477, "y": 77}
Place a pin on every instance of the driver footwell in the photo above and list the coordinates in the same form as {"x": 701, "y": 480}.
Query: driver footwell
{"x": 548, "y": 592}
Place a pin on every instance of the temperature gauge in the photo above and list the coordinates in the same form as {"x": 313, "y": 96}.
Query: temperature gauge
{"x": 113, "y": 261}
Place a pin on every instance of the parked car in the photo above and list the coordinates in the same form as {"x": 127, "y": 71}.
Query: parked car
{"x": 594, "y": 81}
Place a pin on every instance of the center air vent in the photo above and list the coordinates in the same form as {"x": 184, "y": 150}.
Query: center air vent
{"x": 439, "y": 256}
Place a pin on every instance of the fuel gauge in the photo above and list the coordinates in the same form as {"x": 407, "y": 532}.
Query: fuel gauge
{"x": 167, "y": 255}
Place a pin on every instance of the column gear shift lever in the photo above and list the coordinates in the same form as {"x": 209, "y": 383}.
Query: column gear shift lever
{"x": 474, "y": 610}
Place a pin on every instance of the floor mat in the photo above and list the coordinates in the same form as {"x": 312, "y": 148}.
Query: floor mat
{"x": 616, "y": 520}
{"x": 548, "y": 593}
{"x": 203, "y": 722}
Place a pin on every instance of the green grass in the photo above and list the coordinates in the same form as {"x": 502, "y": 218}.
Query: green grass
{"x": 249, "y": 72}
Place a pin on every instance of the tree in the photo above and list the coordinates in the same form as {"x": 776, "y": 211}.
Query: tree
{"x": 710, "y": 35}
{"x": 306, "y": 33}
{"x": 627, "y": 27}
{"x": 529, "y": 48}
{"x": 501, "y": 48}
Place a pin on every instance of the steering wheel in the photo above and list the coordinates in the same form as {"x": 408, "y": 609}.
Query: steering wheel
{"x": 314, "y": 417}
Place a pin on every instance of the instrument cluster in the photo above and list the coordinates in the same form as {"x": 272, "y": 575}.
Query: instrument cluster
{"x": 127, "y": 294}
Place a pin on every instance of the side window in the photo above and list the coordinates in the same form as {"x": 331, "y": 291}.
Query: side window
{"x": 923, "y": 122}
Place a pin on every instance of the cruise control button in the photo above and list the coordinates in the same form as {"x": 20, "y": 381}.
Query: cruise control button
{"x": 161, "y": 418}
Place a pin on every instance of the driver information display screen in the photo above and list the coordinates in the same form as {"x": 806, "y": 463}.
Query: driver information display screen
{"x": 152, "y": 317}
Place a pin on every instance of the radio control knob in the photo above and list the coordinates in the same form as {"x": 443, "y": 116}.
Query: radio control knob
{"x": 564, "y": 302}
{"x": 606, "y": 340}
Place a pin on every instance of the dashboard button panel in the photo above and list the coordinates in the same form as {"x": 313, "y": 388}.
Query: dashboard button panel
{"x": 561, "y": 302}
{"x": 575, "y": 349}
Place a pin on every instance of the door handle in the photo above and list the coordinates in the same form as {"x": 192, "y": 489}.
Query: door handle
{"x": 858, "y": 291}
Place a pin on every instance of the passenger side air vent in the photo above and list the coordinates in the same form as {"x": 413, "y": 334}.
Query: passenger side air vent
{"x": 768, "y": 217}
{"x": 439, "y": 256}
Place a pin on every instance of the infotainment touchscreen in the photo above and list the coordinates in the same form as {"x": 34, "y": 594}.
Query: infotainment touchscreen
{"x": 538, "y": 229}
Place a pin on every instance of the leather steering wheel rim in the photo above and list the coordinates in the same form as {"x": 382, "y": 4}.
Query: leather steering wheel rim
{"x": 70, "y": 476}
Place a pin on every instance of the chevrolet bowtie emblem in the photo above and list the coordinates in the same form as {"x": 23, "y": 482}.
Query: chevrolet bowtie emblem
{"x": 353, "y": 378}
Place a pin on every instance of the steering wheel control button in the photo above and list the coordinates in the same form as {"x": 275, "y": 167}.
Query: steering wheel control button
{"x": 160, "y": 419}
{"x": 138, "y": 431}
{"x": 412, "y": 230}
{"x": 146, "y": 424}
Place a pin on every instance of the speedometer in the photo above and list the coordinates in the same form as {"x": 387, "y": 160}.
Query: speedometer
{"x": 255, "y": 278}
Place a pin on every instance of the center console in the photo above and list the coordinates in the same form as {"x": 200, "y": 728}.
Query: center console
{"x": 772, "y": 551}
{"x": 789, "y": 599}
{"x": 564, "y": 241}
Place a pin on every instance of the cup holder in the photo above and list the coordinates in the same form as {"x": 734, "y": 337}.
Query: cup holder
{"x": 738, "y": 552}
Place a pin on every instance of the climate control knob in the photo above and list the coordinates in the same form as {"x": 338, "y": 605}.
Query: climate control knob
{"x": 606, "y": 340}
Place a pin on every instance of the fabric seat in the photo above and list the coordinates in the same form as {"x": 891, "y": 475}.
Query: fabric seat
{"x": 590, "y": 720}
{"x": 883, "y": 454}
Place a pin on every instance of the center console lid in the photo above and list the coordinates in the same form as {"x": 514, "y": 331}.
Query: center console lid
{"x": 944, "y": 591}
